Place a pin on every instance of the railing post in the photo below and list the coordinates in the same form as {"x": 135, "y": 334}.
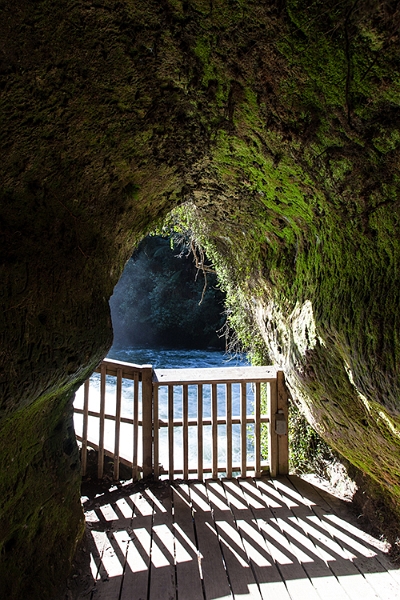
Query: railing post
{"x": 243, "y": 429}
{"x": 272, "y": 437}
{"x": 155, "y": 431}
{"x": 117, "y": 424}
{"x": 100, "y": 463}
{"x": 283, "y": 438}
{"x": 85, "y": 426}
{"x": 147, "y": 397}
{"x": 257, "y": 430}
{"x": 214, "y": 431}
{"x": 135, "y": 437}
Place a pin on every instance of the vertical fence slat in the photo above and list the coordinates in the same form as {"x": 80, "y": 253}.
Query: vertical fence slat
{"x": 135, "y": 425}
{"x": 200, "y": 431}
{"x": 283, "y": 441}
{"x": 85, "y": 426}
{"x": 100, "y": 463}
{"x": 257, "y": 431}
{"x": 117, "y": 424}
{"x": 243, "y": 429}
{"x": 214, "y": 430}
{"x": 147, "y": 421}
{"x": 229, "y": 430}
{"x": 171, "y": 431}
{"x": 185, "y": 432}
{"x": 156, "y": 429}
{"x": 272, "y": 437}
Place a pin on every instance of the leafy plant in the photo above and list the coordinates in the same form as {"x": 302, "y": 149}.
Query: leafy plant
{"x": 308, "y": 453}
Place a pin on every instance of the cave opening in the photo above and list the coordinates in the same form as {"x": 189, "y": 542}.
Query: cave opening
{"x": 166, "y": 298}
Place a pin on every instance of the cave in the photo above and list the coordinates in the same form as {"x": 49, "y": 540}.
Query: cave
{"x": 274, "y": 128}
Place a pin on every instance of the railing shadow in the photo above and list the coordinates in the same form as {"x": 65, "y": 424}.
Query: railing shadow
{"x": 281, "y": 538}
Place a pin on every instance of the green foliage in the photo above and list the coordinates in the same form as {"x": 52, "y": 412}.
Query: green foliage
{"x": 308, "y": 453}
{"x": 240, "y": 330}
{"x": 244, "y": 336}
{"x": 163, "y": 299}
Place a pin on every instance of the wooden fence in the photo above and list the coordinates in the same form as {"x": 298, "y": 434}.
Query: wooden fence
{"x": 150, "y": 420}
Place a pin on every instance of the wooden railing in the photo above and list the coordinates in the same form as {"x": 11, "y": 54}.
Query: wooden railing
{"x": 139, "y": 421}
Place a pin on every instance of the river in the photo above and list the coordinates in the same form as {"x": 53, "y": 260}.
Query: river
{"x": 161, "y": 358}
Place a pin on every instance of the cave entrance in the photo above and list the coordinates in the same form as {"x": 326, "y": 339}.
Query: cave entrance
{"x": 165, "y": 401}
{"x": 168, "y": 298}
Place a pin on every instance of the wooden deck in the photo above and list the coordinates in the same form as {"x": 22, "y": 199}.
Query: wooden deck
{"x": 280, "y": 539}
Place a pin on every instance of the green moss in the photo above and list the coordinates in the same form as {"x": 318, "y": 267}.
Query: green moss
{"x": 40, "y": 512}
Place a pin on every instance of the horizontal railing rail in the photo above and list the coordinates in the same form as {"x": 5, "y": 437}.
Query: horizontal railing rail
{"x": 151, "y": 420}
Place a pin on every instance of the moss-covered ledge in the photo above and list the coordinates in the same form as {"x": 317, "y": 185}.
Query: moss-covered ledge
{"x": 279, "y": 125}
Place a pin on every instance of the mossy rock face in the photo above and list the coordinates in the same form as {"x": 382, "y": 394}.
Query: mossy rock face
{"x": 279, "y": 124}
{"x": 41, "y": 521}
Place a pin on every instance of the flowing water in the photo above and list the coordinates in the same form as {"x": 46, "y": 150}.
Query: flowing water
{"x": 174, "y": 359}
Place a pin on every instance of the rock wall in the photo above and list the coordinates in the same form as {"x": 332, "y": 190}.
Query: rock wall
{"x": 279, "y": 124}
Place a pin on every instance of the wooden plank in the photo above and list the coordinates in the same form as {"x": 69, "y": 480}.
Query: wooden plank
{"x": 215, "y": 579}
{"x": 336, "y": 506}
{"x": 347, "y": 573}
{"x": 272, "y": 437}
{"x": 128, "y": 369}
{"x": 242, "y": 498}
{"x": 240, "y": 574}
{"x": 109, "y": 524}
{"x": 264, "y": 557}
{"x": 137, "y": 566}
{"x": 171, "y": 432}
{"x": 185, "y": 430}
{"x": 229, "y": 430}
{"x": 283, "y": 439}
{"x": 383, "y": 583}
{"x": 257, "y": 431}
{"x": 162, "y": 575}
{"x": 85, "y": 426}
{"x": 109, "y": 577}
{"x": 156, "y": 430}
{"x": 100, "y": 464}
{"x": 147, "y": 422}
{"x": 191, "y": 422}
{"x": 243, "y": 429}
{"x": 317, "y": 566}
{"x": 188, "y": 575}
{"x": 285, "y": 550}
{"x": 362, "y": 551}
{"x": 214, "y": 431}
{"x": 135, "y": 471}
{"x": 117, "y": 425}
{"x": 93, "y": 413}
{"x": 200, "y": 457}
{"x": 213, "y": 375}
{"x": 177, "y": 422}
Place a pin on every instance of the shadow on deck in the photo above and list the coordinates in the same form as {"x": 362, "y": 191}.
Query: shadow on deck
{"x": 280, "y": 539}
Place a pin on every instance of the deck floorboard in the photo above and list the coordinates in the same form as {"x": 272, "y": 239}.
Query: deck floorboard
{"x": 228, "y": 539}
